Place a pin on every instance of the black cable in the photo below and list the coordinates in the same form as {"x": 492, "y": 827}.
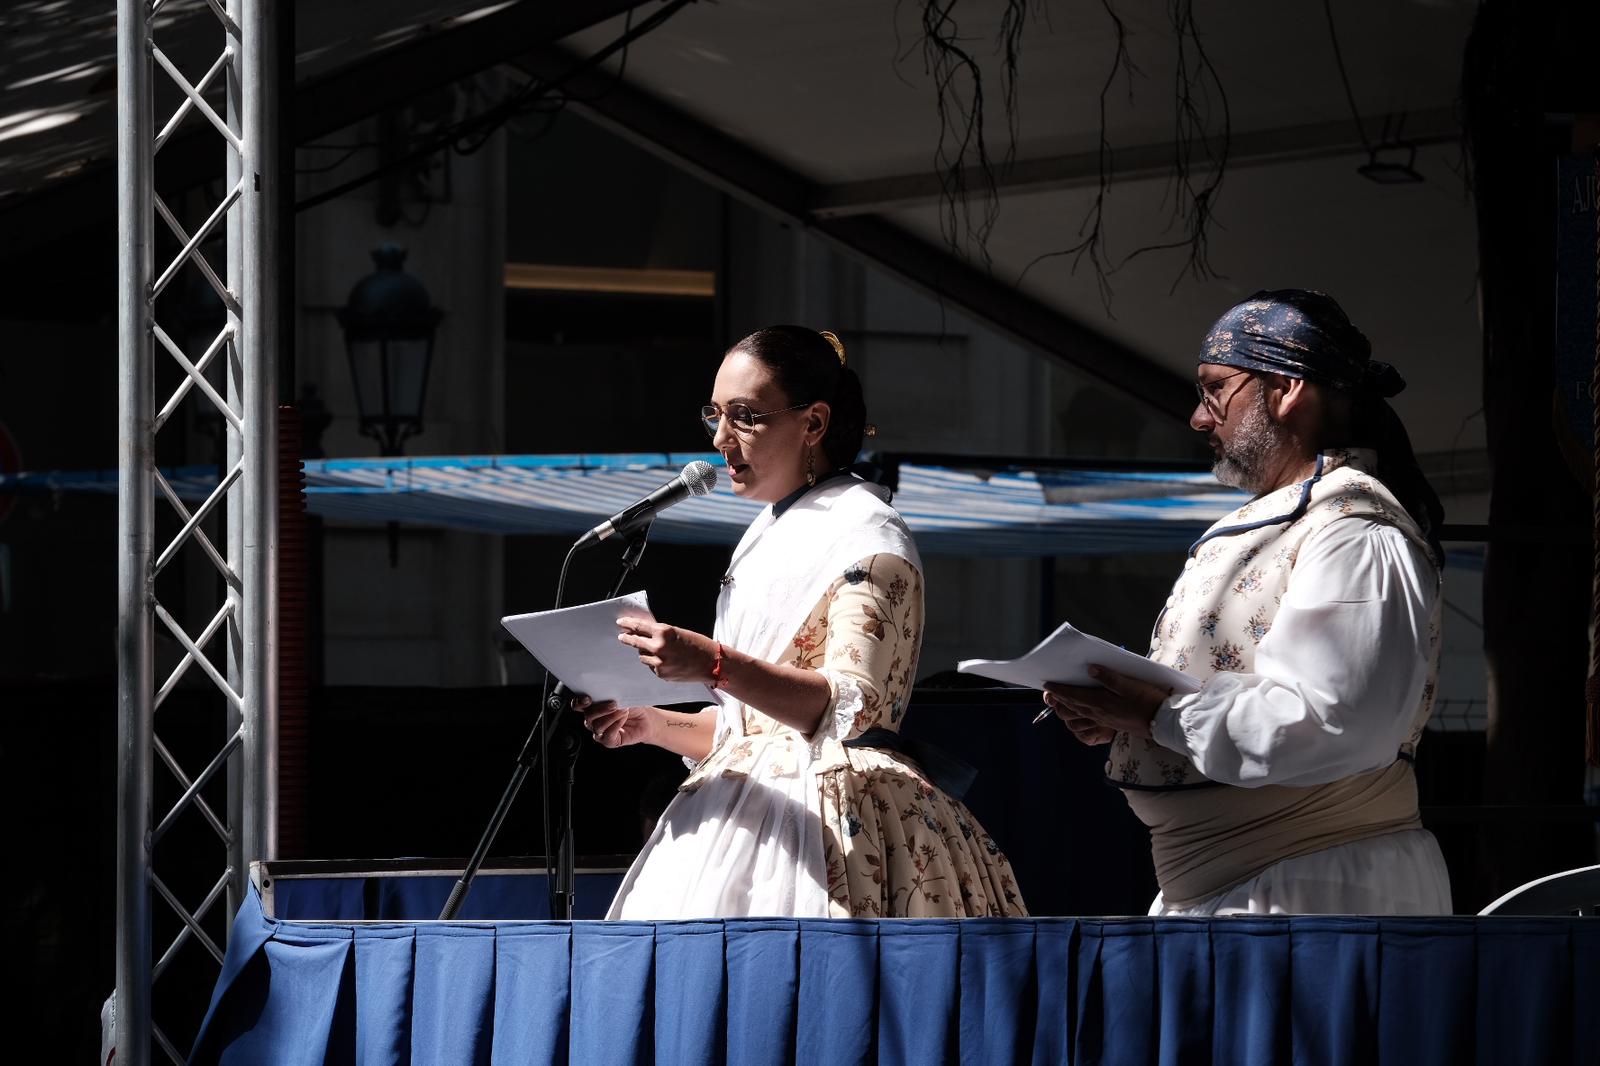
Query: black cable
{"x": 527, "y": 100}
{"x": 349, "y": 151}
{"x": 1338, "y": 58}
{"x": 488, "y": 121}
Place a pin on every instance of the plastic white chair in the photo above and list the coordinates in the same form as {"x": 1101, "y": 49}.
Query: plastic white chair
{"x": 1573, "y": 892}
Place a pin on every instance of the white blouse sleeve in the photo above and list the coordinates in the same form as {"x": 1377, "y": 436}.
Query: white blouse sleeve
{"x": 1338, "y": 677}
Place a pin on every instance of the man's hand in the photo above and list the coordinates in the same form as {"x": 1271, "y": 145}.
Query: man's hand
{"x": 1095, "y": 714}
{"x": 672, "y": 654}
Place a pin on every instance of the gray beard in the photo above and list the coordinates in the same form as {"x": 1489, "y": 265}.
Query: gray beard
{"x": 1243, "y": 462}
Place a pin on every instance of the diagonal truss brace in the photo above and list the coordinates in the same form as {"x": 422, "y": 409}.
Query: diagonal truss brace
{"x": 201, "y": 234}
{"x": 199, "y": 657}
{"x": 166, "y": 1045}
{"x": 229, "y": 300}
{"x": 222, "y": 831}
{"x": 226, "y": 334}
{"x": 222, "y": 615}
{"x": 191, "y": 922}
{"x": 218, "y": 494}
{"x": 218, "y": 761}
{"x": 196, "y": 375}
{"x": 224, "y": 61}
{"x": 199, "y": 101}
{"x": 227, "y": 572}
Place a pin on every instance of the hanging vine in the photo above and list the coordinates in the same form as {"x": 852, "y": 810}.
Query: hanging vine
{"x": 1091, "y": 231}
{"x": 961, "y": 154}
{"x": 1196, "y": 151}
{"x": 1012, "y": 24}
{"x": 970, "y": 202}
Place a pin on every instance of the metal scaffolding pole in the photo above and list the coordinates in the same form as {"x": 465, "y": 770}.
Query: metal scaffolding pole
{"x": 244, "y": 75}
{"x": 259, "y": 350}
{"x": 135, "y": 512}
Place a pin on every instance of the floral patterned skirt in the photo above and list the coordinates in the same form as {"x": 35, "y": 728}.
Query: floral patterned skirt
{"x": 896, "y": 847}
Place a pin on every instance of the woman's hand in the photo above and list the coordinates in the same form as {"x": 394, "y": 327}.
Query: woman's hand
{"x": 672, "y": 654}
{"x": 613, "y": 726}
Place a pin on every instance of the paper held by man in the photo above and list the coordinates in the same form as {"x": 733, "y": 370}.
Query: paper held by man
{"x": 579, "y": 646}
{"x": 1064, "y": 657}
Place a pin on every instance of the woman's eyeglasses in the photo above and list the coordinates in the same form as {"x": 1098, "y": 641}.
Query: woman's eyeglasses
{"x": 739, "y": 416}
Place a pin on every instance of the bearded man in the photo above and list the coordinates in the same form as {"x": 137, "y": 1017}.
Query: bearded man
{"x": 1311, "y": 617}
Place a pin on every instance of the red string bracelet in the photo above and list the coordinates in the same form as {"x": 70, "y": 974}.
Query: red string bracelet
{"x": 718, "y": 678}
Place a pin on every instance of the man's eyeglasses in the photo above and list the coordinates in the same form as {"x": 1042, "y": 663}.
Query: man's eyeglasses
{"x": 739, "y": 416}
{"x": 1210, "y": 393}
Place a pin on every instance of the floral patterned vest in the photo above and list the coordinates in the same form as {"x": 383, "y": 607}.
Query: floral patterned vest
{"x": 1223, "y": 603}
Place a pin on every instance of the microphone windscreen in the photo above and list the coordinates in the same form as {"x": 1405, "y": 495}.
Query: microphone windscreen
{"x": 700, "y": 476}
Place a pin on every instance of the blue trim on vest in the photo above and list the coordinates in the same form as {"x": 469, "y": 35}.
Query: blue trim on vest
{"x": 1299, "y": 510}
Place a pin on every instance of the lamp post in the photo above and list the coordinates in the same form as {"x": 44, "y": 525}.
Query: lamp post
{"x": 389, "y": 322}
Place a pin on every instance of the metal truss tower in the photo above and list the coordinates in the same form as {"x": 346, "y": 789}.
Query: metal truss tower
{"x": 233, "y": 648}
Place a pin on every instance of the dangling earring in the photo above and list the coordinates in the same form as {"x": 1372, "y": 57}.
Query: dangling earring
{"x": 811, "y": 468}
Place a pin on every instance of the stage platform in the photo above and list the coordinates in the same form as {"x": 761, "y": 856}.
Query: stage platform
{"x": 1240, "y": 991}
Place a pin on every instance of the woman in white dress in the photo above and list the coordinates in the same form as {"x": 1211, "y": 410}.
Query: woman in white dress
{"x": 800, "y": 801}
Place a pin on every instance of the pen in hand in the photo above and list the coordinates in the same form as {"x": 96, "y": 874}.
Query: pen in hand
{"x": 1047, "y": 710}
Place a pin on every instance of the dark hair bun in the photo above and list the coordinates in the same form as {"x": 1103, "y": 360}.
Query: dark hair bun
{"x": 809, "y": 368}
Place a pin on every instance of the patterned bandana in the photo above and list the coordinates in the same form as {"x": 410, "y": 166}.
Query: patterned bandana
{"x": 1300, "y": 334}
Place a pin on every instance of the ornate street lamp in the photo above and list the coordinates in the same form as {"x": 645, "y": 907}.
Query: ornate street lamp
{"x": 388, "y": 332}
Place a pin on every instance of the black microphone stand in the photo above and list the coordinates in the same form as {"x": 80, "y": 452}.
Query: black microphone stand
{"x": 547, "y": 727}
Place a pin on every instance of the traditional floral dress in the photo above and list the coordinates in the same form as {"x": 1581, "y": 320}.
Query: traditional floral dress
{"x": 776, "y": 822}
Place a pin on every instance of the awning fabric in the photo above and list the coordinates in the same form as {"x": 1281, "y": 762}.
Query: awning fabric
{"x": 1013, "y": 511}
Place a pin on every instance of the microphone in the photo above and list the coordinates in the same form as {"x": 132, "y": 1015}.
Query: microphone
{"x": 695, "y": 479}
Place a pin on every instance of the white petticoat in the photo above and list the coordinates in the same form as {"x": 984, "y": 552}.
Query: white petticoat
{"x": 736, "y": 846}
{"x": 1397, "y": 873}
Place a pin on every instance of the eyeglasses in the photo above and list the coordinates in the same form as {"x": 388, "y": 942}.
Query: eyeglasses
{"x": 740, "y": 417}
{"x": 1210, "y": 392}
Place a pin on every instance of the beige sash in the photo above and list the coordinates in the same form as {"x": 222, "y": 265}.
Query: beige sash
{"x": 1206, "y": 840}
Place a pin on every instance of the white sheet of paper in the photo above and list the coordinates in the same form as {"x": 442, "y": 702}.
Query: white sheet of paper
{"x": 1065, "y": 657}
{"x": 579, "y": 646}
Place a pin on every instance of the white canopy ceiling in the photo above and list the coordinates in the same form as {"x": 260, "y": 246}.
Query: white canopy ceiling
{"x": 837, "y": 91}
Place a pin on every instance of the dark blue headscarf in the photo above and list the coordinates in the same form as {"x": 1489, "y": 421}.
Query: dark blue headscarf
{"x": 1300, "y": 334}
{"x": 1304, "y": 334}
